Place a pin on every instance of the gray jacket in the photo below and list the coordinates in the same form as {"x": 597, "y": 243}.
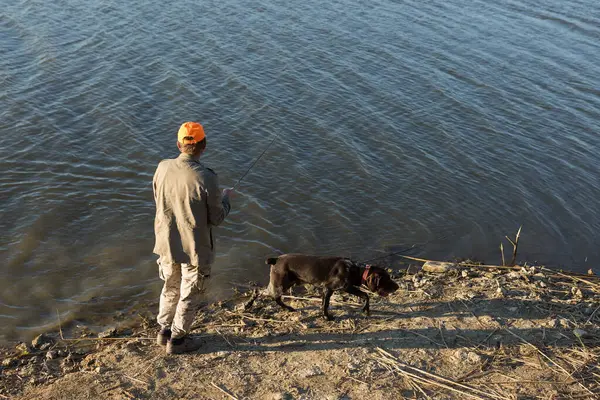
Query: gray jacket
{"x": 188, "y": 205}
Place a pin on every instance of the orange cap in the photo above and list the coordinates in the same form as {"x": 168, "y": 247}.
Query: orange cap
{"x": 192, "y": 130}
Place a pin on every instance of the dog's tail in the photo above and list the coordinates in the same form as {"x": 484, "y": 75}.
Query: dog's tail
{"x": 271, "y": 261}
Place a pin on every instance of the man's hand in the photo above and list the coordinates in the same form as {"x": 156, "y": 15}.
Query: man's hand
{"x": 228, "y": 192}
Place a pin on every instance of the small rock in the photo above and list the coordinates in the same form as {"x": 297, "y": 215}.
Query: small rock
{"x": 576, "y": 293}
{"x": 464, "y": 273}
{"x": 474, "y": 358}
{"x": 22, "y": 348}
{"x": 100, "y": 370}
{"x": 559, "y": 323}
{"x": 352, "y": 367}
{"x": 513, "y": 275}
{"x": 9, "y": 362}
{"x": 281, "y": 396}
{"x": 107, "y": 333}
{"x": 538, "y": 277}
{"x": 527, "y": 271}
{"x": 580, "y": 333}
{"x": 51, "y": 355}
{"x": 438, "y": 267}
{"x": 40, "y": 340}
{"x": 45, "y": 346}
{"x": 310, "y": 372}
{"x": 460, "y": 355}
{"x": 35, "y": 360}
{"x": 81, "y": 352}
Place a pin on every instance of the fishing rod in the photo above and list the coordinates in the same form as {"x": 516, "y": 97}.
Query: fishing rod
{"x": 401, "y": 252}
{"x": 405, "y": 250}
{"x": 255, "y": 161}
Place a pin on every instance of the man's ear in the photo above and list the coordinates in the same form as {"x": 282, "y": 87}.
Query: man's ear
{"x": 179, "y": 145}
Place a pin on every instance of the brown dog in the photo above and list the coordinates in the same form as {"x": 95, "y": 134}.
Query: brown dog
{"x": 332, "y": 273}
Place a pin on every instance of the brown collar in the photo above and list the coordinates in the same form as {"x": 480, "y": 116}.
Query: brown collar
{"x": 365, "y": 274}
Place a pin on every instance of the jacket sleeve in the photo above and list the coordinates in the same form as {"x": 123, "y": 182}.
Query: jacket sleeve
{"x": 154, "y": 181}
{"x": 217, "y": 206}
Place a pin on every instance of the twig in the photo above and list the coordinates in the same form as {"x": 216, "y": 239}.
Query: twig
{"x": 441, "y": 378}
{"x": 442, "y": 335}
{"x": 423, "y": 336}
{"x": 265, "y": 319}
{"x": 515, "y": 246}
{"x": 548, "y": 358}
{"x": 108, "y": 338}
{"x": 419, "y": 388}
{"x": 224, "y": 338}
{"x": 137, "y": 380}
{"x": 502, "y": 252}
{"x": 591, "y": 316}
{"x": 466, "y": 264}
{"x": 111, "y": 388}
{"x": 316, "y": 299}
{"x": 357, "y": 380}
{"x": 224, "y": 391}
{"x": 575, "y": 278}
{"x": 59, "y": 325}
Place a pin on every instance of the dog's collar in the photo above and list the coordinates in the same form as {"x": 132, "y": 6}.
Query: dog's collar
{"x": 366, "y": 274}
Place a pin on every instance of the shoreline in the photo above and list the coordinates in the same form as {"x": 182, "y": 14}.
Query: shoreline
{"x": 451, "y": 331}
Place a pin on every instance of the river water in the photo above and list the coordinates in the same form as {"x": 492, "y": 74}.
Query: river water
{"x": 445, "y": 124}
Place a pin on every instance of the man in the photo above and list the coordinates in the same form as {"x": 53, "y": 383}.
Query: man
{"x": 188, "y": 205}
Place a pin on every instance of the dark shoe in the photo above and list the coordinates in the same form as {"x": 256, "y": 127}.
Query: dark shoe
{"x": 163, "y": 336}
{"x": 185, "y": 344}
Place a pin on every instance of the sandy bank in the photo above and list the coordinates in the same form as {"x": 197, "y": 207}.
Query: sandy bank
{"x": 471, "y": 332}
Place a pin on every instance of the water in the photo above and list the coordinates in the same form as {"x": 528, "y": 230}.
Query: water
{"x": 446, "y": 124}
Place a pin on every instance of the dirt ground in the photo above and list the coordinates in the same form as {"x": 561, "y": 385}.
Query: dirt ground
{"x": 471, "y": 332}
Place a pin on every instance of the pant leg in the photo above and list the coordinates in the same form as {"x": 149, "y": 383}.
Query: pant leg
{"x": 170, "y": 273}
{"x": 192, "y": 286}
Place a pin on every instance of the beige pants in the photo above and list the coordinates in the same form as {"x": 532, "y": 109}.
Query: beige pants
{"x": 180, "y": 295}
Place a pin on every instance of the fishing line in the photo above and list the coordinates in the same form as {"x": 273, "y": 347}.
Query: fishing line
{"x": 254, "y": 163}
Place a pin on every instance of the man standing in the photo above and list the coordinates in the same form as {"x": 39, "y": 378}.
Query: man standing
{"x": 188, "y": 205}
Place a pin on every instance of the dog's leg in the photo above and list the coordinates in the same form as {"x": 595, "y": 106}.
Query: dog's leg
{"x": 252, "y": 299}
{"x": 326, "y": 296}
{"x": 282, "y": 304}
{"x": 357, "y": 292}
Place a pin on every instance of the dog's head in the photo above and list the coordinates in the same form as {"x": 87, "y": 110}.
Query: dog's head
{"x": 379, "y": 281}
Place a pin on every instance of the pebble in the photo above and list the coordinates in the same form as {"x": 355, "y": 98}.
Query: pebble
{"x": 107, "y": 333}
{"x": 51, "y": 355}
{"x": 579, "y": 333}
{"x": 513, "y": 275}
{"x": 474, "y": 358}
{"x": 281, "y": 396}
{"x": 40, "y": 340}
{"x": 438, "y": 267}
{"x": 22, "y": 347}
{"x": 310, "y": 372}
{"x": 9, "y": 362}
{"x": 352, "y": 367}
